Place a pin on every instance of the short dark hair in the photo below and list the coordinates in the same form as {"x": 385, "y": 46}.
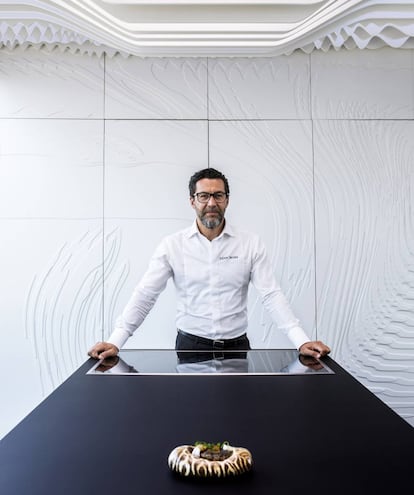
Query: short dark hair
{"x": 207, "y": 173}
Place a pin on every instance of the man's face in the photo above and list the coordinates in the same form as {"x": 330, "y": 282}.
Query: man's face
{"x": 210, "y": 214}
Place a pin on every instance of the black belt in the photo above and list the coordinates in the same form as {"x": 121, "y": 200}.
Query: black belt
{"x": 218, "y": 343}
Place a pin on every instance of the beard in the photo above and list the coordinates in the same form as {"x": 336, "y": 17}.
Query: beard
{"x": 211, "y": 223}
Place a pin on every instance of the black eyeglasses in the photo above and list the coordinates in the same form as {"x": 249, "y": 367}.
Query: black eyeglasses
{"x": 204, "y": 197}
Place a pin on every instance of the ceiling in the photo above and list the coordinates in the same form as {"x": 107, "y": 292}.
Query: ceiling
{"x": 205, "y": 27}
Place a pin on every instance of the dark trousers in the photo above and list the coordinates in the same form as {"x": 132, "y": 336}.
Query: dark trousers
{"x": 210, "y": 349}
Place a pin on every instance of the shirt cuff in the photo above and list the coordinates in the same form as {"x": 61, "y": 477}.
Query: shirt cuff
{"x": 297, "y": 336}
{"x": 118, "y": 337}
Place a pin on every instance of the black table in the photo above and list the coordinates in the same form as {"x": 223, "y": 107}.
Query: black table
{"x": 113, "y": 434}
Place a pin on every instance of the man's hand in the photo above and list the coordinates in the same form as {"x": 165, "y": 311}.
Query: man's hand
{"x": 103, "y": 350}
{"x": 314, "y": 349}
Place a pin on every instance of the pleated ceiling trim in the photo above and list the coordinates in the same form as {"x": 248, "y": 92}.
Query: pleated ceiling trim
{"x": 342, "y": 24}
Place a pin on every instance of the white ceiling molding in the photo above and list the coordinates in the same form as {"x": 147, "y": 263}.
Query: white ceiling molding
{"x": 205, "y": 27}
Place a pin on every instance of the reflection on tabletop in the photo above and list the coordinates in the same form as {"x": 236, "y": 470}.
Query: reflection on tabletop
{"x": 264, "y": 361}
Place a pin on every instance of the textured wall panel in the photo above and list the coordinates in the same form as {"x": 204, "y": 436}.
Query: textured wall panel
{"x": 50, "y": 168}
{"x": 51, "y": 306}
{"x": 283, "y": 81}
{"x": 367, "y": 84}
{"x": 146, "y": 198}
{"x": 164, "y": 88}
{"x": 365, "y": 252}
{"x": 269, "y": 165}
{"x": 148, "y": 164}
{"x": 50, "y": 85}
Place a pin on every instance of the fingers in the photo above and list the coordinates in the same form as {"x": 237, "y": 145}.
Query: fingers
{"x": 96, "y": 350}
{"x": 113, "y": 351}
{"x": 315, "y": 349}
{"x": 321, "y": 348}
{"x": 103, "y": 350}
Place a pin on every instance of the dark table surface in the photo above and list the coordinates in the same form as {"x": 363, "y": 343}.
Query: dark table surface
{"x": 112, "y": 435}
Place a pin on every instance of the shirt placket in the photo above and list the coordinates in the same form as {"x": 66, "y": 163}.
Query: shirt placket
{"x": 215, "y": 289}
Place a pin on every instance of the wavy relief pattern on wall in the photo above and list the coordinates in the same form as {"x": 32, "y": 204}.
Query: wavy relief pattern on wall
{"x": 39, "y": 84}
{"x": 365, "y": 252}
{"x": 156, "y": 88}
{"x": 64, "y": 309}
{"x": 283, "y": 84}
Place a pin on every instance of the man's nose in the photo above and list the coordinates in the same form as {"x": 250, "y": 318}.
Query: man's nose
{"x": 211, "y": 199}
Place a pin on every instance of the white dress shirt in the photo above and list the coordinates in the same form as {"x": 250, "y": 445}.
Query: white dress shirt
{"x": 211, "y": 279}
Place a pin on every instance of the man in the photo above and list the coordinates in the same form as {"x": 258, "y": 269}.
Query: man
{"x": 211, "y": 264}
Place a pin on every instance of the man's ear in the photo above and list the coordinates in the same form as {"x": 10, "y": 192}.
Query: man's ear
{"x": 192, "y": 201}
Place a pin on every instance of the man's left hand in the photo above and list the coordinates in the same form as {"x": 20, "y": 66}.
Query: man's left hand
{"x": 315, "y": 349}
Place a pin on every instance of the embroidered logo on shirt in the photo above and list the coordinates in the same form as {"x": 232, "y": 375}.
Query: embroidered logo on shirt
{"x": 228, "y": 258}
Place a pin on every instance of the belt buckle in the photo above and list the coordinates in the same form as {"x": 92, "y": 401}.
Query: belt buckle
{"x": 218, "y": 343}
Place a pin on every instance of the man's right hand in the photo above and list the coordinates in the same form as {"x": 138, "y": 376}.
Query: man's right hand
{"x": 103, "y": 350}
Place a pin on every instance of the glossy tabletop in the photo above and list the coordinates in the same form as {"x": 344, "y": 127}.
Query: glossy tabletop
{"x": 218, "y": 362}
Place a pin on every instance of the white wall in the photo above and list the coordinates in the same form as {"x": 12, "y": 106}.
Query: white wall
{"x": 95, "y": 157}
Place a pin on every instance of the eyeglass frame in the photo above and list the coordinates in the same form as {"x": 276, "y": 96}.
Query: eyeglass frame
{"x": 226, "y": 195}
